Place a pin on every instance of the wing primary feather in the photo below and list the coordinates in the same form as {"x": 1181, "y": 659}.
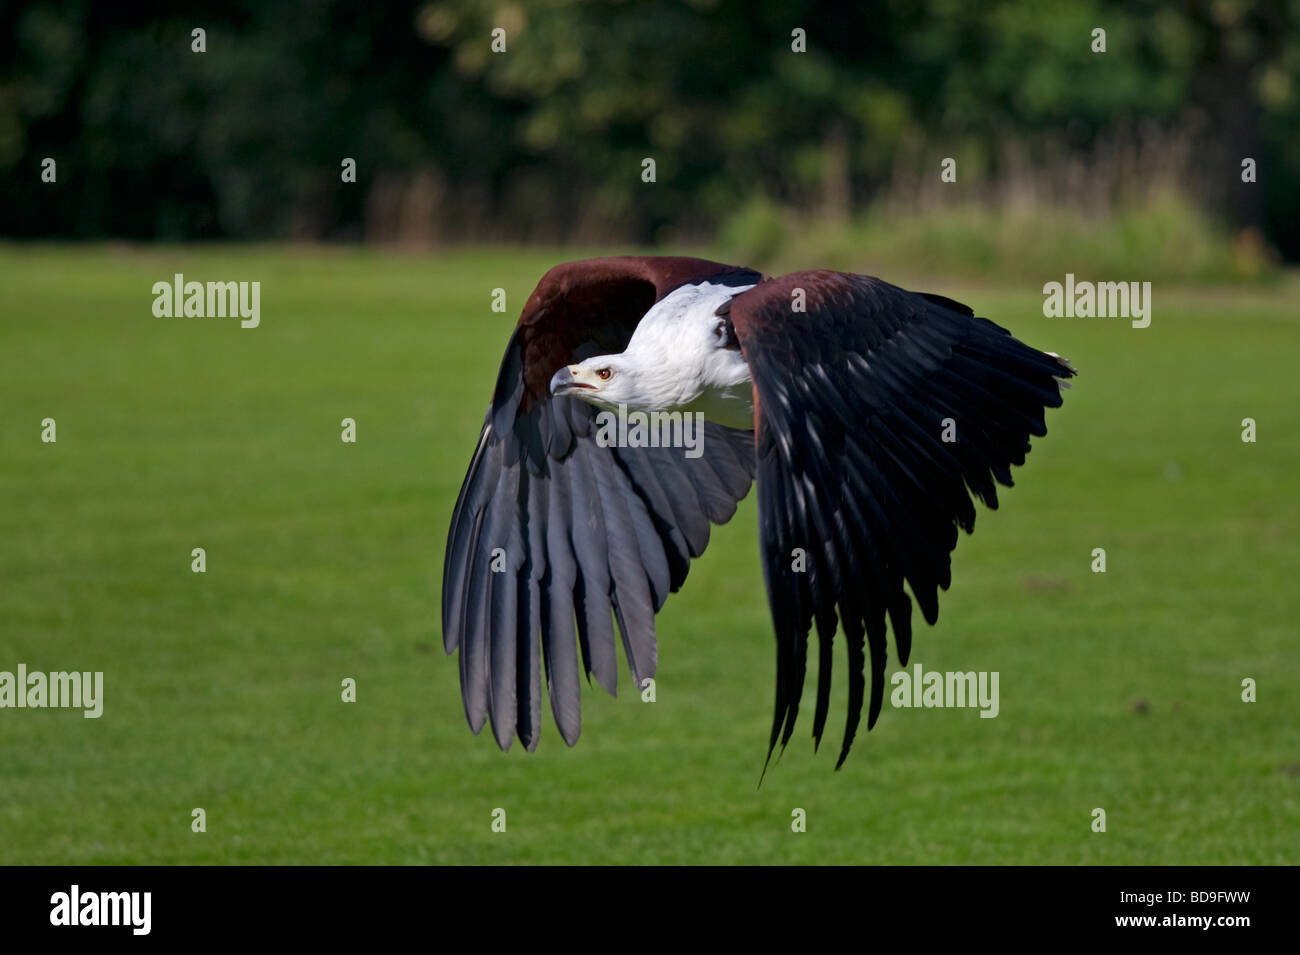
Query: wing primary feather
{"x": 559, "y": 647}
{"x": 595, "y": 619}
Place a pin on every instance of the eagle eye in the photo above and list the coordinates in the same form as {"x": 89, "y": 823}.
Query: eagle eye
{"x": 605, "y": 374}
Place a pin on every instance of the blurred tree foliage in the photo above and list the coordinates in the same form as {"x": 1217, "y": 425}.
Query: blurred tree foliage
{"x": 547, "y": 139}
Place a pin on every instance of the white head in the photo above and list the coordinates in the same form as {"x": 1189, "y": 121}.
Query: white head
{"x": 680, "y": 350}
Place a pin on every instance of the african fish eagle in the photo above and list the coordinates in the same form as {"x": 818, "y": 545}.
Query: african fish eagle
{"x": 869, "y": 415}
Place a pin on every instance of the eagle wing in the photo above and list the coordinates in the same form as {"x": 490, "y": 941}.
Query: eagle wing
{"x": 858, "y": 387}
{"x": 552, "y": 530}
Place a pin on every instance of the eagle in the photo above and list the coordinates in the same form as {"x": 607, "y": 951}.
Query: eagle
{"x": 868, "y": 415}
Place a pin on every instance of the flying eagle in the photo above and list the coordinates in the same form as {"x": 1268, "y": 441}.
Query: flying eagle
{"x": 869, "y": 415}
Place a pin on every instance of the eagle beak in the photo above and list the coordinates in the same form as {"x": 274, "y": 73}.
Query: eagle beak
{"x": 573, "y": 378}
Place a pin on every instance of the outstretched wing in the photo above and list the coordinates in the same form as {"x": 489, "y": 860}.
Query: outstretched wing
{"x": 552, "y": 530}
{"x": 877, "y": 411}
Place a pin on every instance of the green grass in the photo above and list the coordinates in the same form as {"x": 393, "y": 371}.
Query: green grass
{"x": 324, "y": 562}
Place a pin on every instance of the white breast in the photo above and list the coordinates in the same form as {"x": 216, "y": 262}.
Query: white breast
{"x": 678, "y": 337}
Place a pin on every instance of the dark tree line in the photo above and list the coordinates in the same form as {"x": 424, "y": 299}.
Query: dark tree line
{"x": 547, "y": 140}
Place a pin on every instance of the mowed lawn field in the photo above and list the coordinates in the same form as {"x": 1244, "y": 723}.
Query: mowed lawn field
{"x": 1119, "y": 690}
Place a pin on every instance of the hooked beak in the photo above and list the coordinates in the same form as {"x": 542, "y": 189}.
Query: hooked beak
{"x": 573, "y": 379}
